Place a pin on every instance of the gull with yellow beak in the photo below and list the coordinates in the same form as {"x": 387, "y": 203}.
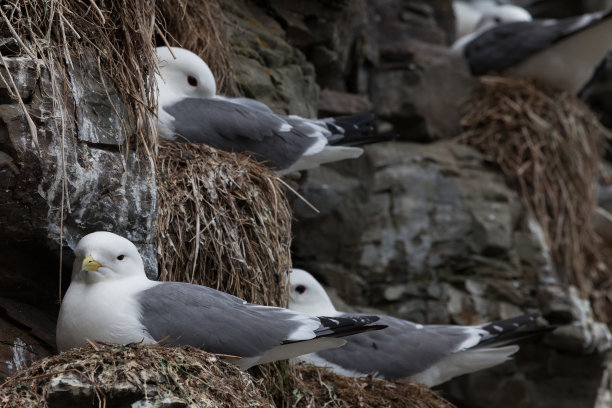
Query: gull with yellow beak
{"x": 110, "y": 299}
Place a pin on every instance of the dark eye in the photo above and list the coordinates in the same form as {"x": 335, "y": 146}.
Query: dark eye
{"x": 497, "y": 20}
{"x": 193, "y": 81}
{"x": 300, "y": 289}
{"x": 120, "y": 257}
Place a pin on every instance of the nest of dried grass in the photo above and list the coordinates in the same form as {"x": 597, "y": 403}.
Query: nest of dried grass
{"x": 317, "y": 387}
{"x": 122, "y": 375}
{"x": 224, "y": 222}
{"x": 548, "y": 144}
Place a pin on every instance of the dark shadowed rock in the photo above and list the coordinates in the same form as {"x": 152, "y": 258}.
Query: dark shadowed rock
{"x": 390, "y": 52}
{"x": 336, "y": 103}
{"x": 420, "y": 90}
{"x": 78, "y": 178}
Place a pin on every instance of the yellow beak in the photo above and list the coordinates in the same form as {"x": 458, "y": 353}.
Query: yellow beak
{"x": 90, "y": 265}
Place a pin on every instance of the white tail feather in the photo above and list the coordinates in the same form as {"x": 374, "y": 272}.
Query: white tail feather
{"x": 287, "y": 351}
{"x": 463, "y": 362}
{"x": 327, "y": 155}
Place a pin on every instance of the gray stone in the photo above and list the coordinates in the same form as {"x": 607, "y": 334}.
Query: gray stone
{"x": 393, "y": 293}
{"x": 584, "y": 335}
{"x": 342, "y": 103}
{"x": 68, "y": 390}
{"x": 23, "y": 73}
{"x": 267, "y": 67}
{"x": 409, "y": 96}
{"x": 98, "y": 107}
{"x": 102, "y": 189}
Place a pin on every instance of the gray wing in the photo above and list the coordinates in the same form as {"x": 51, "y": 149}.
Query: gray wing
{"x": 405, "y": 348}
{"x": 507, "y": 45}
{"x": 239, "y": 127}
{"x": 400, "y": 350}
{"x": 214, "y": 321}
{"x": 221, "y": 323}
{"x": 251, "y": 103}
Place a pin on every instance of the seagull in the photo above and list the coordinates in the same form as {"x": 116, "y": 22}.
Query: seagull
{"x": 469, "y": 16}
{"x": 563, "y": 53}
{"x": 111, "y": 300}
{"x": 190, "y": 109}
{"x": 428, "y": 354}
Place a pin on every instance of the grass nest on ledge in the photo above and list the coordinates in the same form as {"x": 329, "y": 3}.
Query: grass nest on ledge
{"x": 224, "y": 222}
{"x": 116, "y": 375}
{"x": 549, "y": 145}
{"x": 165, "y": 376}
{"x": 317, "y": 387}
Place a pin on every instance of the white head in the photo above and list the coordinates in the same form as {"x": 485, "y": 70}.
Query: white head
{"x": 506, "y": 13}
{"x": 308, "y": 296}
{"x": 103, "y": 255}
{"x": 187, "y": 75}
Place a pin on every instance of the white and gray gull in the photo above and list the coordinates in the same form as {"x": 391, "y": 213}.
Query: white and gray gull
{"x": 428, "y": 354}
{"x": 111, "y": 300}
{"x": 191, "y": 110}
{"x": 563, "y": 53}
{"x": 471, "y": 15}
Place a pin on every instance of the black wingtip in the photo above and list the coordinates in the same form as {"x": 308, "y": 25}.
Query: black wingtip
{"x": 347, "y": 325}
{"x": 352, "y": 130}
{"x": 506, "y": 331}
{"x": 516, "y": 336}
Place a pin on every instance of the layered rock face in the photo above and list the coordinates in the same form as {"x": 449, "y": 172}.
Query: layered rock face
{"x": 73, "y": 180}
{"x": 422, "y": 228}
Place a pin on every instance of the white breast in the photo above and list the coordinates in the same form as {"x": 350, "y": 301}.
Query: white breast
{"x": 102, "y": 311}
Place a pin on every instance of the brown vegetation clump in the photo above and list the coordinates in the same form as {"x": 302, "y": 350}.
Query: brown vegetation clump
{"x": 548, "y": 144}
{"x": 118, "y": 35}
{"x": 198, "y": 26}
{"x": 317, "y": 387}
{"x": 122, "y": 375}
{"x": 224, "y": 222}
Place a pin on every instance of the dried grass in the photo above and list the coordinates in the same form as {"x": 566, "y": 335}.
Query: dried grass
{"x": 548, "y": 144}
{"x": 317, "y": 387}
{"x": 224, "y": 222}
{"x": 198, "y": 26}
{"x": 114, "y": 375}
{"x": 59, "y": 33}
{"x": 119, "y": 374}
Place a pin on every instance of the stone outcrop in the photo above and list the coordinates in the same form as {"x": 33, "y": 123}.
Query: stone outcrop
{"x": 76, "y": 179}
{"x": 427, "y": 231}
{"x": 432, "y": 233}
{"x": 389, "y": 54}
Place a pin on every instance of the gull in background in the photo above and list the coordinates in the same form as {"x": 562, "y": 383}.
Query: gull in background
{"x": 469, "y": 16}
{"x": 562, "y": 53}
{"x": 191, "y": 110}
{"x": 428, "y": 354}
